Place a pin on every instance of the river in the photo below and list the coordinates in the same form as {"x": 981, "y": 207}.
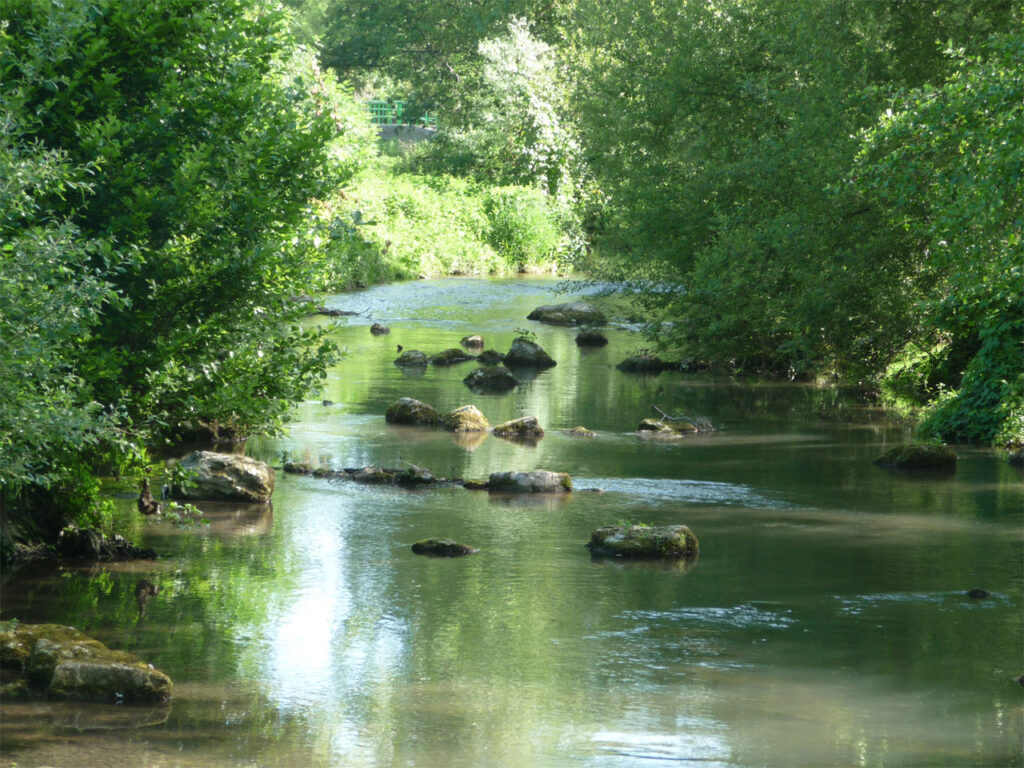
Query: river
{"x": 824, "y": 623}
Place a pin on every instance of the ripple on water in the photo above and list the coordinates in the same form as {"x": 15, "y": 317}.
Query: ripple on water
{"x": 695, "y": 491}
{"x": 744, "y": 616}
{"x": 857, "y": 605}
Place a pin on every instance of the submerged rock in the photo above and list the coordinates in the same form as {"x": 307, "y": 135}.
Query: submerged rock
{"x": 411, "y": 358}
{"x": 67, "y": 664}
{"x": 412, "y": 412}
{"x": 918, "y": 456}
{"x": 451, "y": 357}
{"x": 571, "y": 313}
{"x": 526, "y": 427}
{"x": 643, "y": 541}
{"x": 468, "y": 418}
{"x": 644, "y": 364}
{"x": 528, "y": 354}
{"x": 442, "y": 548}
{"x": 475, "y": 341}
{"x": 379, "y": 330}
{"x": 580, "y": 432}
{"x": 490, "y": 357}
{"x": 537, "y": 481}
{"x": 496, "y": 379}
{"x": 591, "y": 338}
{"x": 227, "y": 477}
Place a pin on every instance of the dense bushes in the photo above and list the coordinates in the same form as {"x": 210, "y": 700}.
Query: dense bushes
{"x": 160, "y": 157}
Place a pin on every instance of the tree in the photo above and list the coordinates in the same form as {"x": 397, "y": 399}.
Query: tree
{"x": 208, "y": 133}
{"x": 947, "y": 166}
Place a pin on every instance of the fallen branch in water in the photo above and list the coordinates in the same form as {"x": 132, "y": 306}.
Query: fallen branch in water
{"x": 701, "y": 423}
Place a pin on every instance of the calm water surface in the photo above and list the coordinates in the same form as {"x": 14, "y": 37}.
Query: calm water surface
{"x": 824, "y": 623}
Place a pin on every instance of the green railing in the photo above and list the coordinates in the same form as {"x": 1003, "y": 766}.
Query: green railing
{"x": 384, "y": 112}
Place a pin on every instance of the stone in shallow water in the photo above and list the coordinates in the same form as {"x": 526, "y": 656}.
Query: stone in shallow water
{"x": 468, "y": 418}
{"x": 526, "y": 427}
{"x": 67, "y": 664}
{"x": 570, "y": 313}
{"x": 528, "y": 354}
{"x": 442, "y": 548}
{"x": 493, "y": 380}
{"x": 643, "y": 541}
{"x": 407, "y": 410}
{"x": 227, "y": 477}
{"x": 537, "y": 481}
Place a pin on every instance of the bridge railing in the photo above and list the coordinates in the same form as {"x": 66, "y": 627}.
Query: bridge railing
{"x": 385, "y": 112}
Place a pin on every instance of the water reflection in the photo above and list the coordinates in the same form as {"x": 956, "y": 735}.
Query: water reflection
{"x": 825, "y": 623}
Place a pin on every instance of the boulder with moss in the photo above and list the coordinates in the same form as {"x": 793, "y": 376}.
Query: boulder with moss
{"x": 918, "y": 456}
{"x": 536, "y": 481}
{"x": 570, "y": 313}
{"x": 450, "y": 357}
{"x": 667, "y": 428}
{"x": 475, "y": 341}
{"x": 527, "y": 428}
{"x": 495, "y": 379}
{"x": 644, "y": 363}
{"x": 67, "y": 664}
{"x": 528, "y": 354}
{"x": 580, "y": 431}
{"x": 411, "y": 412}
{"x": 411, "y": 358}
{"x": 643, "y": 541}
{"x": 226, "y": 477}
{"x": 468, "y": 418}
{"x": 490, "y": 357}
{"x": 591, "y": 338}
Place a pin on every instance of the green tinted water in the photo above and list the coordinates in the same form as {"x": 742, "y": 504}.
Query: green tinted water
{"x": 823, "y": 624}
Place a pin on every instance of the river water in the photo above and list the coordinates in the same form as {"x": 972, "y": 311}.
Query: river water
{"x": 824, "y": 623}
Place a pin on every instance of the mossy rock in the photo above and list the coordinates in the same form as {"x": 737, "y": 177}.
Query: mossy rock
{"x": 490, "y": 357}
{"x": 297, "y": 468}
{"x": 468, "y": 418}
{"x": 527, "y": 354}
{"x": 526, "y": 427}
{"x": 412, "y": 358}
{"x": 918, "y": 456}
{"x": 496, "y": 379}
{"x": 666, "y": 428}
{"x": 591, "y": 338}
{"x": 68, "y": 664}
{"x": 442, "y": 548}
{"x": 643, "y": 541}
{"x": 580, "y": 431}
{"x": 536, "y": 481}
{"x": 476, "y": 341}
{"x": 412, "y": 412}
{"x": 379, "y": 330}
{"x": 450, "y": 357}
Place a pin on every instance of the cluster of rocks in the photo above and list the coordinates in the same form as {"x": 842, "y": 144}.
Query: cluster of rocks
{"x": 408, "y": 411}
{"x": 63, "y": 663}
{"x": 89, "y": 544}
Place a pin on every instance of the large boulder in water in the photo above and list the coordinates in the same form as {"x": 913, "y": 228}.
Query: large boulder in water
{"x": 591, "y": 338}
{"x": 468, "y": 418}
{"x": 528, "y": 354}
{"x": 493, "y": 380}
{"x": 572, "y": 313}
{"x": 537, "y": 481}
{"x": 451, "y": 357}
{"x": 643, "y": 541}
{"x": 68, "y": 664}
{"x": 227, "y": 477}
{"x": 406, "y": 410}
{"x": 411, "y": 358}
{"x": 918, "y": 456}
{"x": 525, "y": 428}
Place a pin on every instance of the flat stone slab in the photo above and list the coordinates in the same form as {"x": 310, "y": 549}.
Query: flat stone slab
{"x": 570, "y": 313}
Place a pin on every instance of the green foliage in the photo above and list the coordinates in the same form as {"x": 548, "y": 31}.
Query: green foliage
{"x": 208, "y": 133}
{"x": 946, "y": 165}
{"x": 522, "y": 228}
